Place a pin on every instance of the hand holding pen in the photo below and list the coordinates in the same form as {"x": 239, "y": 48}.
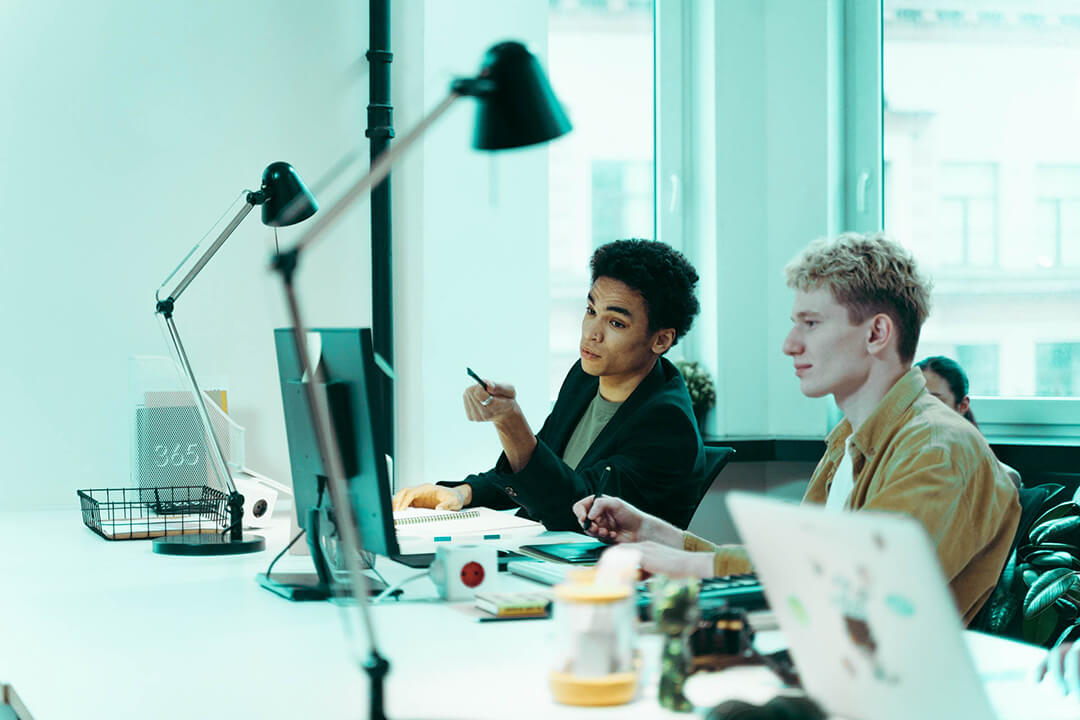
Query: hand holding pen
{"x": 482, "y": 384}
{"x": 612, "y": 519}
{"x": 586, "y": 524}
{"x": 492, "y": 403}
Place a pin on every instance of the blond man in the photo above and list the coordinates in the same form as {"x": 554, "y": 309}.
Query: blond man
{"x": 860, "y": 302}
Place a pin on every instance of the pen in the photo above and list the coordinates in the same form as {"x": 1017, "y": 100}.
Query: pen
{"x": 587, "y": 523}
{"x": 476, "y": 377}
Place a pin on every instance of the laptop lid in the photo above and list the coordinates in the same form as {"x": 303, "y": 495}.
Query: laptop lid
{"x": 865, "y": 609}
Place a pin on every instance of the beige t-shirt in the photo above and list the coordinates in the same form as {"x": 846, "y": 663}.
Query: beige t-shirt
{"x": 592, "y": 422}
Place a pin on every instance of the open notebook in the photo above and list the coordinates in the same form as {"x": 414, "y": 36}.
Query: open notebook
{"x": 471, "y": 524}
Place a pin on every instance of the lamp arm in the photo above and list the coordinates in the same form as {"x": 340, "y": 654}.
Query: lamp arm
{"x": 322, "y": 424}
{"x": 165, "y": 310}
{"x": 253, "y": 199}
{"x": 377, "y": 174}
{"x": 321, "y": 421}
{"x": 214, "y": 447}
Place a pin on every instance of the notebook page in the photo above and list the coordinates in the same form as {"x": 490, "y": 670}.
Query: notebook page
{"x": 426, "y": 523}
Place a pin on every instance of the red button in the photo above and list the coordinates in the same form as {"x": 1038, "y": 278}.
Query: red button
{"x": 472, "y": 574}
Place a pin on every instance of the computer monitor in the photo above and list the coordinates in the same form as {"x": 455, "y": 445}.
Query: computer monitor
{"x": 348, "y": 368}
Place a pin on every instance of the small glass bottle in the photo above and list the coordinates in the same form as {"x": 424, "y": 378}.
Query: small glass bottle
{"x": 594, "y": 661}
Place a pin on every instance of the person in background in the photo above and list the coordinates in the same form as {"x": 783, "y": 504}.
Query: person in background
{"x": 622, "y": 424}
{"x": 860, "y": 303}
{"x": 948, "y": 382}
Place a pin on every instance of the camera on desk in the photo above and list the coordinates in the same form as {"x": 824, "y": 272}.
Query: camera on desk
{"x": 460, "y": 571}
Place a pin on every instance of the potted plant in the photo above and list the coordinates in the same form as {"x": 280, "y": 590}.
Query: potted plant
{"x": 700, "y": 386}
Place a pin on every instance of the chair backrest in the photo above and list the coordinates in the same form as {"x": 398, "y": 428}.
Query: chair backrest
{"x": 716, "y": 457}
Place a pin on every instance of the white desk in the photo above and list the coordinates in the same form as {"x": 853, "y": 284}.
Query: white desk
{"x": 96, "y": 629}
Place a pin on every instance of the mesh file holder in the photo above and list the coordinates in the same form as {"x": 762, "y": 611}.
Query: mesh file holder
{"x": 145, "y": 513}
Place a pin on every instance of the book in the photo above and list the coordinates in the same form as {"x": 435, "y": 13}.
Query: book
{"x": 514, "y": 605}
{"x": 455, "y": 525}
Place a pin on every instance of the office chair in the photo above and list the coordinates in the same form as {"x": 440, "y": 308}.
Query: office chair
{"x": 716, "y": 458}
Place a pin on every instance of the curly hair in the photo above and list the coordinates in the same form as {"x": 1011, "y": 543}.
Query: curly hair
{"x": 868, "y": 274}
{"x": 663, "y": 276}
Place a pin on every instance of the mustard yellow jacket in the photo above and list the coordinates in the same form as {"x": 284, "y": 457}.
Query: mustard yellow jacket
{"x": 917, "y": 456}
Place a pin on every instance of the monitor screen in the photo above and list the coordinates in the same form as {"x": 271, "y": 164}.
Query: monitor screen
{"x": 348, "y": 380}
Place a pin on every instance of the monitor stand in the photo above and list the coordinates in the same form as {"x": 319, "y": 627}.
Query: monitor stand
{"x": 304, "y": 587}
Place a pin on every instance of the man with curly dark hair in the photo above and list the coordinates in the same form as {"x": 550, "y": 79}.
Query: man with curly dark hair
{"x": 623, "y": 422}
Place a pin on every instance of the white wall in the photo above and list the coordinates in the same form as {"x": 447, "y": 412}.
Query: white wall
{"x": 128, "y": 128}
{"x": 470, "y": 244}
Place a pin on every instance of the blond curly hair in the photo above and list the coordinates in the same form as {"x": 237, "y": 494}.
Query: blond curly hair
{"x": 868, "y": 273}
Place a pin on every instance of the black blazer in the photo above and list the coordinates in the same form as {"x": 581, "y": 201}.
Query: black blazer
{"x": 652, "y": 445}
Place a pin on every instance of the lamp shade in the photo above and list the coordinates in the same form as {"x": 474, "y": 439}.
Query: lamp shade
{"x": 516, "y": 106}
{"x": 287, "y": 199}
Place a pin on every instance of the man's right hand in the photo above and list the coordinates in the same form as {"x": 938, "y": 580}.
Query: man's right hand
{"x": 433, "y": 496}
{"x": 618, "y": 521}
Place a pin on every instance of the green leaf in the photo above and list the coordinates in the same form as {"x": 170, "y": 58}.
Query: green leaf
{"x": 1039, "y": 629}
{"x": 1050, "y": 586}
{"x": 1065, "y": 509}
{"x": 1059, "y": 530}
{"x": 1043, "y": 559}
{"x": 1070, "y": 634}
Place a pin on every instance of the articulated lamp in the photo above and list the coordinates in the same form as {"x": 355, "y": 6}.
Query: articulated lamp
{"x": 285, "y": 201}
{"x": 516, "y": 108}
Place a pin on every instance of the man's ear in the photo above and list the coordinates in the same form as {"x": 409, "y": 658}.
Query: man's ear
{"x": 882, "y": 334}
{"x": 963, "y": 406}
{"x": 663, "y": 340}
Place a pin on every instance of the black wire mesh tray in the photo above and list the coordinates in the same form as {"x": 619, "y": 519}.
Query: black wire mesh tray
{"x": 145, "y": 513}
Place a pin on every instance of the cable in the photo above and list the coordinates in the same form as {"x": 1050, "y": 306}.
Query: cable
{"x": 378, "y": 574}
{"x": 391, "y": 589}
{"x": 282, "y": 553}
{"x": 228, "y": 530}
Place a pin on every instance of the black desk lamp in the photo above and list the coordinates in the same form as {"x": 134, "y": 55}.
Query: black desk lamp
{"x": 516, "y": 108}
{"x": 285, "y": 201}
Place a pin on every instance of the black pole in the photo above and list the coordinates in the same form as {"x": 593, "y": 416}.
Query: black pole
{"x": 380, "y": 130}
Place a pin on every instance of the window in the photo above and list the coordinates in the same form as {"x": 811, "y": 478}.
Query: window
{"x": 981, "y": 364}
{"x": 968, "y": 213}
{"x": 1056, "y": 237}
{"x": 982, "y": 181}
{"x": 621, "y": 199}
{"x": 600, "y": 57}
{"x": 1058, "y": 369}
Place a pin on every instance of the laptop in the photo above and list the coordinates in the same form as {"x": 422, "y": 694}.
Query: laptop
{"x": 870, "y": 623}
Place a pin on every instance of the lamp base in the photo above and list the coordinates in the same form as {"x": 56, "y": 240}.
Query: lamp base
{"x": 206, "y": 544}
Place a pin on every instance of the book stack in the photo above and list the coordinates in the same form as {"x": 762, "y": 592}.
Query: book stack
{"x": 514, "y": 606}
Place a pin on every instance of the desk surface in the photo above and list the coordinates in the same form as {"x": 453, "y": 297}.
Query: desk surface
{"x": 96, "y": 629}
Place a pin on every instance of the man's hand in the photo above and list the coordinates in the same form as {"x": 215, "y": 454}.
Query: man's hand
{"x": 433, "y": 496}
{"x": 1062, "y": 667}
{"x": 658, "y": 559}
{"x": 616, "y": 520}
{"x": 498, "y": 403}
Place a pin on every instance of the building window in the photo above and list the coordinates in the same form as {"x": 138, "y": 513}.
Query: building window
{"x": 600, "y": 57}
{"x": 1056, "y": 237}
{"x": 1058, "y": 369}
{"x": 968, "y": 213}
{"x": 980, "y": 362}
{"x": 622, "y": 199}
{"x": 982, "y": 180}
